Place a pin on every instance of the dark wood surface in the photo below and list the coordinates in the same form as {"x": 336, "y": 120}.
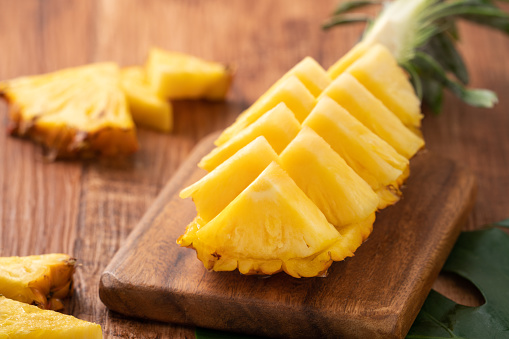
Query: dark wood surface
{"x": 88, "y": 209}
{"x": 390, "y": 275}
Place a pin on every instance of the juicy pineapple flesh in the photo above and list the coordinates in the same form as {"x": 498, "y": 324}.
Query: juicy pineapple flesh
{"x": 77, "y": 111}
{"x": 41, "y": 280}
{"x": 19, "y": 320}
{"x": 295, "y": 183}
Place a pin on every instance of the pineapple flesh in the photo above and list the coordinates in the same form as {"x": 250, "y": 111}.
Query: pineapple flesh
{"x": 79, "y": 111}
{"x": 279, "y": 126}
{"x": 175, "y": 75}
{"x": 19, "y": 320}
{"x": 41, "y": 280}
{"x": 147, "y": 109}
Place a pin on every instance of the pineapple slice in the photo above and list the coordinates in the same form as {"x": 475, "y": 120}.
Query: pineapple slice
{"x": 340, "y": 66}
{"x": 78, "y": 111}
{"x": 379, "y": 72}
{"x": 40, "y": 280}
{"x": 218, "y": 188}
{"x": 291, "y": 91}
{"x": 279, "y": 126}
{"x": 358, "y": 101}
{"x": 175, "y": 75}
{"x": 269, "y": 224}
{"x": 340, "y": 193}
{"x": 19, "y": 320}
{"x": 147, "y": 109}
{"x": 373, "y": 159}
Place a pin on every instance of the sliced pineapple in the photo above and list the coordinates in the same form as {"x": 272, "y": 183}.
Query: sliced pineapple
{"x": 379, "y": 72}
{"x": 41, "y": 280}
{"x": 373, "y": 159}
{"x": 358, "y": 101}
{"x": 279, "y": 126}
{"x": 19, "y": 320}
{"x": 340, "y": 193}
{"x": 78, "y": 111}
{"x": 340, "y": 66}
{"x": 269, "y": 224}
{"x": 147, "y": 109}
{"x": 175, "y": 75}
{"x": 218, "y": 188}
{"x": 291, "y": 91}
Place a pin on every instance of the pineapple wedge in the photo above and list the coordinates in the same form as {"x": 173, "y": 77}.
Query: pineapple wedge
{"x": 40, "y": 280}
{"x": 175, "y": 75}
{"x": 291, "y": 91}
{"x": 340, "y": 193}
{"x": 218, "y": 188}
{"x": 379, "y": 72}
{"x": 358, "y": 101}
{"x": 340, "y": 66}
{"x": 79, "y": 111}
{"x": 373, "y": 159}
{"x": 147, "y": 109}
{"x": 19, "y": 320}
{"x": 279, "y": 126}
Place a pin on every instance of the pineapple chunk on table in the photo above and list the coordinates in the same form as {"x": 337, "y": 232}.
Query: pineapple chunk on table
{"x": 40, "y": 280}
{"x": 147, "y": 109}
{"x": 175, "y": 75}
{"x": 22, "y": 321}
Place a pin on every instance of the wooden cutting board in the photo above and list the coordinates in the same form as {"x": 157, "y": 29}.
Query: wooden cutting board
{"x": 375, "y": 294}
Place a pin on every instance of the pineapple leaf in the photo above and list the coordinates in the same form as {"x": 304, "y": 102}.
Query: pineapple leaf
{"x": 433, "y": 94}
{"x": 414, "y": 78}
{"x": 475, "y": 97}
{"x": 344, "y": 19}
{"x": 348, "y": 6}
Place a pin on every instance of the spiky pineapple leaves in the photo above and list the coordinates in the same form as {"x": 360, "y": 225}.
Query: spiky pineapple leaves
{"x": 432, "y": 60}
{"x": 481, "y": 257}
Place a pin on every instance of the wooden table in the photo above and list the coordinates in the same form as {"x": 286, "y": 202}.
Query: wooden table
{"x": 87, "y": 209}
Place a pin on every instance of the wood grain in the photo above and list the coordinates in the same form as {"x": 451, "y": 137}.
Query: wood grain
{"x": 375, "y": 294}
{"x": 88, "y": 209}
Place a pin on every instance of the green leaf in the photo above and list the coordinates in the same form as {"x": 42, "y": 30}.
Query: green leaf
{"x": 342, "y": 20}
{"x": 481, "y": 257}
{"x": 414, "y": 78}
{"x": 433, "y": 94}
{"x": 349, "y": 5}
{"x": 475, "y": 97}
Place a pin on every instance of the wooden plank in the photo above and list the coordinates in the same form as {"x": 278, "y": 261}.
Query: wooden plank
{"x": 377, "y": 293}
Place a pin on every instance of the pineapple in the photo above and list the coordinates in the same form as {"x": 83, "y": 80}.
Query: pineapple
{"x": 267, "y": 227}
{"x": 73, "y": 112}
{"x": 218, "y": 188}
{"x": 290, "y": 90}
{"x": 279, "y": 126}
{"x": 358, "y": 101}
{"x": 341, "y": 65}
{"x": 19, "y": 320}
{"x": 147, "y": 109}
{"x": 379, "y": 72}
{"x": 175, "y": 75}
{"x": 373, "y": 159}
{"x": 40, "y": 280}
{"x": 340, "y": 193}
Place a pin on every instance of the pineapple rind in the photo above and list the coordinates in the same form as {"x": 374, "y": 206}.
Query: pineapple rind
{"x": 19, "y": 320}
{"x": 39, "y": 280}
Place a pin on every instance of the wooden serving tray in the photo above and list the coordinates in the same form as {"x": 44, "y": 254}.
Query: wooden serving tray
{"x": 375, "y": 294}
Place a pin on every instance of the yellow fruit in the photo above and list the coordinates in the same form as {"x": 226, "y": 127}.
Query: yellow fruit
{"x": 269, "y": 224}
{"x": 73, "y": 112}
{"x": 20, "y": 321}
{"x": 40, "y": 280}
{"x": 379, "y": 72}
{"x": 373, "y": 159}
{"x": 218, "y": 188}
{"x": 279, "y": 126}
{"x": 147, "y": 109}
{"x": 175, "y": 75}
{"x": 291, "y": 91}
{"x": 358, "y": 101}
{"x": 340, "y": 193}
{"x": 349, "y": 58}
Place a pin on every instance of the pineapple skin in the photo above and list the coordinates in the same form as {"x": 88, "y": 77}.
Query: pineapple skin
{"x": 41, "y": 280}
{"x": 22, "y": 321}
